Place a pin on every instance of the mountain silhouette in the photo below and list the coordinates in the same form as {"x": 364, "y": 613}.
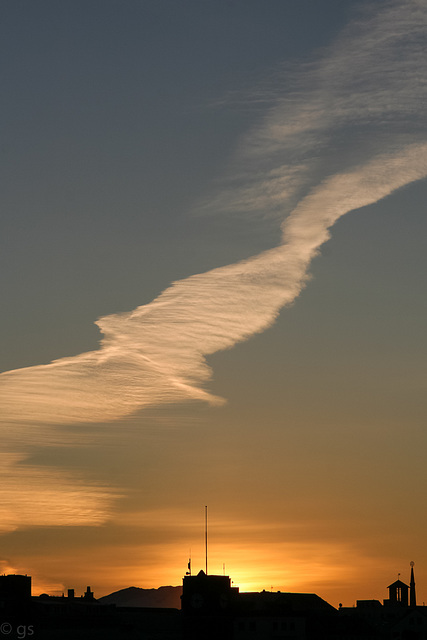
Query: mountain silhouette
{"x": 137, "y": 597}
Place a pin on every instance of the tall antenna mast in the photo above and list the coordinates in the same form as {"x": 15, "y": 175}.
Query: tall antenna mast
{"x": 206, "y": 537}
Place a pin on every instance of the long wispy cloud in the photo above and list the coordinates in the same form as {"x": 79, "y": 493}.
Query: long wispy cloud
{"x": 349, "y": 132}
{"x": 39, "y": 496}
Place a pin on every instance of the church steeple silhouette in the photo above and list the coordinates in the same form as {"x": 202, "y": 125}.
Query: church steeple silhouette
{"x": 412, "y": 595}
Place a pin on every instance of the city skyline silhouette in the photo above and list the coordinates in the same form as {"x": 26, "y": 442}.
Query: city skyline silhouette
{"x": 208, "y": 606}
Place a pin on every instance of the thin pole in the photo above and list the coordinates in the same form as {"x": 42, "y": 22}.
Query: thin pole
{"x": 206, "y": 537}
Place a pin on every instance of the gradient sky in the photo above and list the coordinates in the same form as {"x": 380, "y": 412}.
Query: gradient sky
{"x": 213, "y": 255}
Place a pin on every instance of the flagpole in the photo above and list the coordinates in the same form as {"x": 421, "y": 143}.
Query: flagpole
{"x": 206, "y": 537}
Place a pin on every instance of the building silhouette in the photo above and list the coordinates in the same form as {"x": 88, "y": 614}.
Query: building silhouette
{"x": 397, "y": 618}
{"x": 211, "y": 608}
{"x": 398, "y": 594}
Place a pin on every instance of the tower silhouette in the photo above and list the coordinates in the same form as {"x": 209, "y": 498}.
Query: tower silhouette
{"x": 412, "y": 594}
{"x": 398, "y": 593}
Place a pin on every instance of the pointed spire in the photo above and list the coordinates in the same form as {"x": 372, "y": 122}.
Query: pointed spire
{"x": 412, "y": 595}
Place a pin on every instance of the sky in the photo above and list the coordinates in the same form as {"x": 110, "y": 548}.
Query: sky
{"x": 213, "y": 274}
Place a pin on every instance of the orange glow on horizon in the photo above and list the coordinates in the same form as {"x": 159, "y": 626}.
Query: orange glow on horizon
{"x": 152, "y": 548}
{"x": 303, "y": 568}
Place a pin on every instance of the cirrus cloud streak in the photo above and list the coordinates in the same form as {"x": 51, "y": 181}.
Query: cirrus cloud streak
{"x": 156, "y": 354}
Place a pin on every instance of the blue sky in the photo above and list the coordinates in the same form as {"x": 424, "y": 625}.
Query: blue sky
{"x": 104, "y": 106}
